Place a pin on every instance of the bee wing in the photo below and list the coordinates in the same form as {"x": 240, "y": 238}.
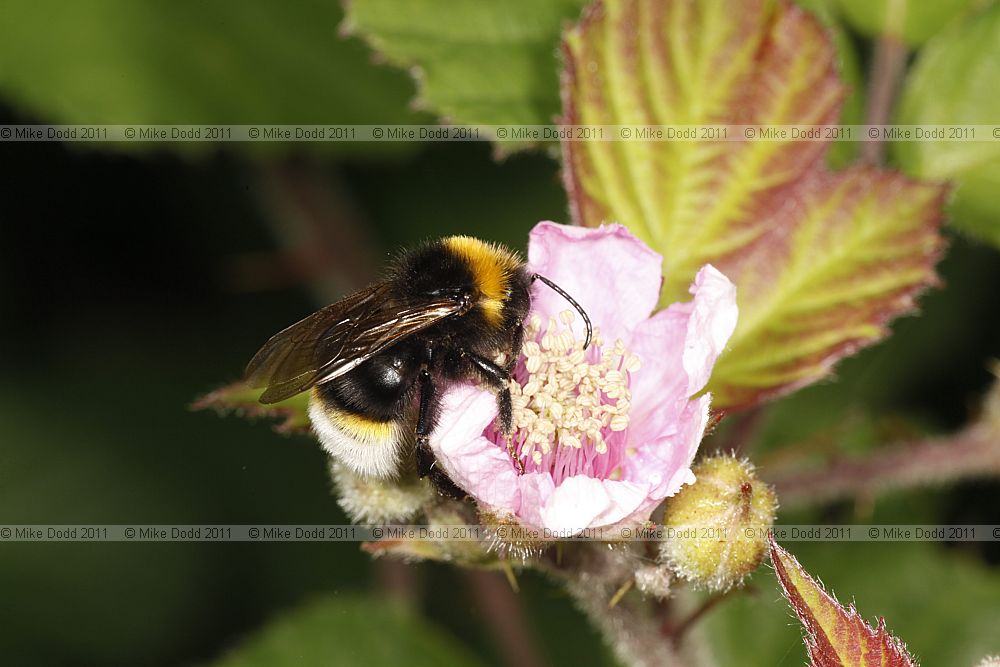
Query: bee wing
{"x": 337, "y": 338}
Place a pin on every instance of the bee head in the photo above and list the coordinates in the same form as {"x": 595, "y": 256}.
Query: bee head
{"x": 490, "y": 270}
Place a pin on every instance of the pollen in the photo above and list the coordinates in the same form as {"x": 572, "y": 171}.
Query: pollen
{"x": 570, "y": 405}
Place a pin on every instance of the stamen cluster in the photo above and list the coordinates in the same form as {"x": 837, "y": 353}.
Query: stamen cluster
{"x": 570, "y": 405}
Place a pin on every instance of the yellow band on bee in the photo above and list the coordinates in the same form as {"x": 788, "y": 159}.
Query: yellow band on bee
{"x": 492, "y": 267}
{"x": 363, "y": 428}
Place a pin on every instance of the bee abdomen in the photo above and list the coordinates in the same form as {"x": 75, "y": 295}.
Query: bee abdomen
{"x": 368, "y": 446}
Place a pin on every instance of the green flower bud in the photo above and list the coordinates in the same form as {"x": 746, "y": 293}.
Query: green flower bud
{"x": 370, "y": 500}
{"x": 719, "y": 524}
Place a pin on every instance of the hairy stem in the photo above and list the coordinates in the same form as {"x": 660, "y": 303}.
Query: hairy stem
{"x": 972, "y": 452}
{"x": 632, "y": 627}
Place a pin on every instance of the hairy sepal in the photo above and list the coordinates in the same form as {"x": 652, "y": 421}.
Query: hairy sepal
{"x": 835, "y": 636}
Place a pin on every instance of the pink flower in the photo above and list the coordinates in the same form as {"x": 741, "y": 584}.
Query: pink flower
{"x": 606, "y": 434}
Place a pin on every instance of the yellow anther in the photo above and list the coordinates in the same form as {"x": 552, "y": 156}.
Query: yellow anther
{"x": 619, "y": 422}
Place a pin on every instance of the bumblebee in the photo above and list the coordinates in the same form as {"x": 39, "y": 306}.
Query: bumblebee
{"x": 377, "y": 361}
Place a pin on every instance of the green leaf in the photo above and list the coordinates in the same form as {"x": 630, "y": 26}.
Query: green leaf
{"x": 241, "y": 399}
{"x": 912, "y": 20}
{"x": 954, "y": 81}
{"x": 349, "y": 630}
{"x": 835, "y": 636}
{"x": 475, "y": 62}
{"x": 187, "y": 62}
{"x": 821, "y": 260}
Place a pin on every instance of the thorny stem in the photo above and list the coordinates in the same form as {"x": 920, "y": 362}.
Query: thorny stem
{"x": 972, "y": 452}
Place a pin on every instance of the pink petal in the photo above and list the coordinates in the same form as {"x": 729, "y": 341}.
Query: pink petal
{"x": 536, "y": 488}
{"x": 660, "y": 385}
{"x": 678, "y": 348}
{"x": 474, "y": 463}
{"x": 584, "y": 502}
{"x": 665, "y": 462}
{"x": 713, "y": 320}
{"x": 613, "y": 275}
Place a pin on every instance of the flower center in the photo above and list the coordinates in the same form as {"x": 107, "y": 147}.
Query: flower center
{"x": 571, "y": 406}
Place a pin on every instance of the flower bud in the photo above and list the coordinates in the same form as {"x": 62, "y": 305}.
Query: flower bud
{"x": 371, "y": 500}
{"x": 718, "y": 525}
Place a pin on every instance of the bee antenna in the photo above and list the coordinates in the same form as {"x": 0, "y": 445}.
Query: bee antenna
{"x": 561, "y": 292}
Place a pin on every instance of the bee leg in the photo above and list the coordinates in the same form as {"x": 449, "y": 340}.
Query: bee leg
{"x": 425, "y": 457}
{"x": 499, "y": 379}
{"x": 424, "y": 410}
{"x": 427, "y": 467}
{"x": 427, "y": 464}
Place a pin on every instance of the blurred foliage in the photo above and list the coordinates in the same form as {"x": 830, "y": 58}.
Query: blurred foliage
{"x": 935, "y": 93}
{"x": 124, "y": 293}
{"x": 350, "y": 631}
{"x": 188, "y": 62}
{"x": 476, "y": 62}
{"x": 914, "y": 21}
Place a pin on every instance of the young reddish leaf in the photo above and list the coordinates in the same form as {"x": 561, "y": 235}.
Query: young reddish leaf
{"x": 821, "y": 260}
{"x": 293, "y": 413}
{"x": 835, "y": 636}
{"x": 844, "y": 254}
